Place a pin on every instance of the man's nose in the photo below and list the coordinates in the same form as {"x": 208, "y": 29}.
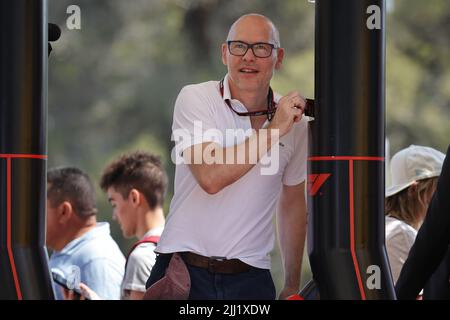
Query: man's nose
{"x": 249, "y": 55}
{"x": 114, "y": 216}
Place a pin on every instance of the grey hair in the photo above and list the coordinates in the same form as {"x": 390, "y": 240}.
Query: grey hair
{"x": 275, "y": 32}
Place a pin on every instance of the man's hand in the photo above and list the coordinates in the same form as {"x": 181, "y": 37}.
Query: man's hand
{"x": 290, "y": 109}
{"x": 86, "y": 293}
{"x": 70, "y": 294}
{"x": 287, "y": 292}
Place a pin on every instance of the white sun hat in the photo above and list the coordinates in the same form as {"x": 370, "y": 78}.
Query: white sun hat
{"x": 412, "y": 164}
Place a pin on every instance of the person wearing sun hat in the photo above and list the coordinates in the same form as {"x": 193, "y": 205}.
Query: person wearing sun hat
{"x": 415, "y": 171}
{"x": 428, "y": 263}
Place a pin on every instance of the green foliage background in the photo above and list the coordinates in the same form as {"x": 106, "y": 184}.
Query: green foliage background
{"x": 113, "y": 84}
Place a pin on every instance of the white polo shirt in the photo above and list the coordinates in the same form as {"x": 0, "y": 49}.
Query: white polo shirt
{"x": 235, "y": 223}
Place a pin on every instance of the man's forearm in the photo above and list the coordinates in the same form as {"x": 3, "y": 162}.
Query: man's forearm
{"x": 217, "y": 167}
{"x": 292, "y": 233}
{"x": 292, "y": 241}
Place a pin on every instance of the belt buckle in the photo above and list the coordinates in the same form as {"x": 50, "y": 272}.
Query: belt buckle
{"x": 212, "y": 261}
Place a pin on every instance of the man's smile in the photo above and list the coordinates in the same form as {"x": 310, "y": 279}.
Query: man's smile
{"x": 248, "y": 70}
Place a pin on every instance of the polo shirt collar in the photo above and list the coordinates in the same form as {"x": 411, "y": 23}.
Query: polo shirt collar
{"x": 153, "y": 232}
{"x": 100, "y": 230}
{"x": 227, "y": 93}
{"x": 226, "y": 88}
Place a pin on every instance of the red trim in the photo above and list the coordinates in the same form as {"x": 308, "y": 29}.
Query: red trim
{"x": 149, "y": 239}
{"x": 8, "y": 228}
{"x": 352, "y": 231}
{"x": 351, "y": 159}
{"x": 8, "y": 158}
{"x": 316, "y": 181}
{"x": 345, "y": 158}
{"x": 23, "y": 156}
{"x": 295, "y": 297}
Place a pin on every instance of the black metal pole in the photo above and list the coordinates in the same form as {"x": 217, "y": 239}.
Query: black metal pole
{"x": 346, "y": 167}
{"x": 24, "y": 272}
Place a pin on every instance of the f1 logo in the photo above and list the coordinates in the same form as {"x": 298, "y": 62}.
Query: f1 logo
{"x": 316, "y": 181}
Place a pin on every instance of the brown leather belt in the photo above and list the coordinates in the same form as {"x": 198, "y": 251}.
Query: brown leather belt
{"x": 214, "y": 264}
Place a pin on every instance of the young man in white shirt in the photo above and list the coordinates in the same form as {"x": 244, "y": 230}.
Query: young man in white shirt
{"x": 136, "y": 184}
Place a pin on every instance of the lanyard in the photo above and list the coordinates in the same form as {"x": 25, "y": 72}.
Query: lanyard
{"x": 271, "y": 106}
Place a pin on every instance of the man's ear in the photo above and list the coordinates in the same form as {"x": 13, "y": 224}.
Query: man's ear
{"x": 65, "y": 212}
{"x": 135, "y": 197}
{"x": 280, "y": 57}
{"x": 224, "y": 54}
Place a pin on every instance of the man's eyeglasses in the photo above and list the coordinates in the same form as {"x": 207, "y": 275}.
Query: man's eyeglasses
{"x": 260, "y": 49}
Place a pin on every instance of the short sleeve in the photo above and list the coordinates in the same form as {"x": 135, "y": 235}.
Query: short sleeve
{"x": 295, "y": 171}
{"x": 193, "y": 119}
{"x": 139, "y": 267}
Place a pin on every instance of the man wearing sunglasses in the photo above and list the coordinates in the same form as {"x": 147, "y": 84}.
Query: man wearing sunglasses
{"x": 220, "y": 219}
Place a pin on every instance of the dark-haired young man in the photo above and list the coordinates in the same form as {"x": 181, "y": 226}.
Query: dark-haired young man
{"x": 136, "y": 184}
{"x": 83, "y": 249}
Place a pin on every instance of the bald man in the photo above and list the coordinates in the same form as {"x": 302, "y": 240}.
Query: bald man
{"x": 241, "y": 153}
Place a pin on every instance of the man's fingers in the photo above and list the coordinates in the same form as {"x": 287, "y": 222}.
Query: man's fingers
{"x": 294, "y": 104}
{"x": 88, "y": 292}
{"x": 69, "y": 295}
{"x": 297, "y": 100}
{"x": 300, "y": 104}
{"x": 298, "y": 113}
{"x": 295, "y": 94}
{"x": 65, "y": 293}
{"x": 298, "y": 108}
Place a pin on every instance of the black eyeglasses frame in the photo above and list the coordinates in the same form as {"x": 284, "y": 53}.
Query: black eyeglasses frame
{"x": 251, "y": 46}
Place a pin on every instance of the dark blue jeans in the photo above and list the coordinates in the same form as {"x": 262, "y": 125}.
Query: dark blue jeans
{"x": 256, "y": 284}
